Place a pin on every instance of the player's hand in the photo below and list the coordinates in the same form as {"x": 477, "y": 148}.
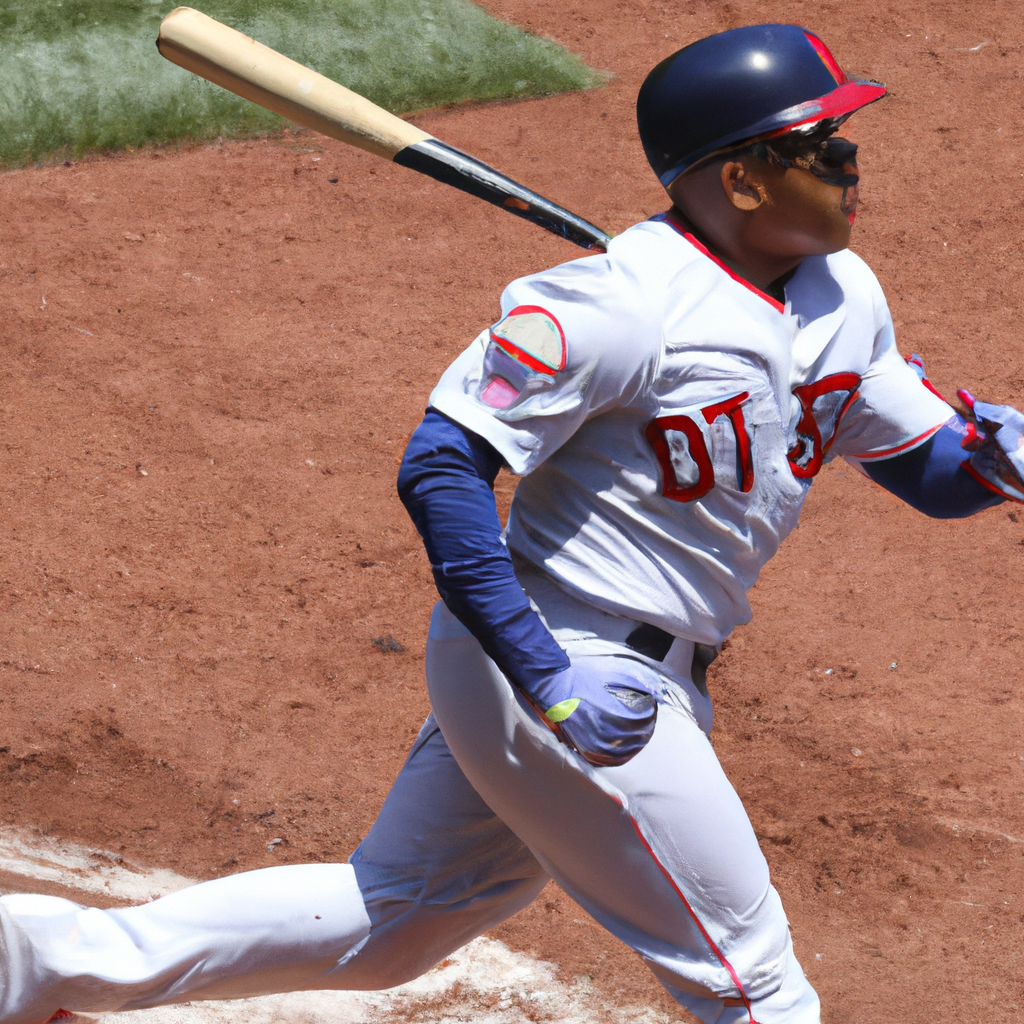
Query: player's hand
{"x": 997, "y": 450}
{"x": 599, "y": 707}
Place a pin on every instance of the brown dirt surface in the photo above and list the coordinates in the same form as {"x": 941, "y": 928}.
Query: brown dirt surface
{"x": 210, "y": 361}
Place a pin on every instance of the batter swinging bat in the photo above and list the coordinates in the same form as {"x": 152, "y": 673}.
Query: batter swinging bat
{"x": 254, "y": 71}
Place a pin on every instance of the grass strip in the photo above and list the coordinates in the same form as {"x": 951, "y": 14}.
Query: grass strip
{"x": 84, "y": 75}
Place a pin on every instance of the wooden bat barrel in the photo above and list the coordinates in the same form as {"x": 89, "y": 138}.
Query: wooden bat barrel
{"x": 236, "y": 62}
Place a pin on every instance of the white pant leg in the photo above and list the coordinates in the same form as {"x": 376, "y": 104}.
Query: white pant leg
{"x": 436, "y": 870}
{"x": 660, "y": 850}
{"x": 275, "y": 930}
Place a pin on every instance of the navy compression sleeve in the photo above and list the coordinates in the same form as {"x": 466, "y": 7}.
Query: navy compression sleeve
{"x": 930, "y": 477}
{"x": 446, "y": 484}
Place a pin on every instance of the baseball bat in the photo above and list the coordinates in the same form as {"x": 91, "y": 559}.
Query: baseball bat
{"x": 232, "y": 60}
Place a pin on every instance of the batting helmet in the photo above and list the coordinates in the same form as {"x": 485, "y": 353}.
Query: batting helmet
{"x": 736, "y": 86}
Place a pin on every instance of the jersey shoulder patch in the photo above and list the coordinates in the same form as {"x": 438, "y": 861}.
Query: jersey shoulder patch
{"x": 525, "y": 350}
{"x": 533, "y": 336}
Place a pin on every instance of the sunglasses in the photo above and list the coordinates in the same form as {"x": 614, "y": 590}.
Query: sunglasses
{"x": 832, "y": 160}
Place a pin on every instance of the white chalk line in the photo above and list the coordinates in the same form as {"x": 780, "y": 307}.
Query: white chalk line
{"x": 89, "y": 871}
{"x": 962, "y": 826}
{"x": 484, "y": 982}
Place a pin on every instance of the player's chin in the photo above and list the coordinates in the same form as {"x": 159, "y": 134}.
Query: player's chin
{"x": 824, "y": 237}
{"x": 831, "y": 234}
{"x": 840, "y": 237}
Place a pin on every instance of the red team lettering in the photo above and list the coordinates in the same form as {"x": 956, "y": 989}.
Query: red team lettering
{"x": 671, "y": 487}
{"x": 656, "y": 434}
{"x": 829, "y": 398}
{"x": 814, "y": 434}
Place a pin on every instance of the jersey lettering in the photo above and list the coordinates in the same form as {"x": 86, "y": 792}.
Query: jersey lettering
{"x": 733, "y": 408}
{"x": 687, "y": 470}
{"x": 678, "y": 444}
{"x": 823, "y": 404}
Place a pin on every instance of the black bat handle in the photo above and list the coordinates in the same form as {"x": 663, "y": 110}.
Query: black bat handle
{"x": 460, "y": 170}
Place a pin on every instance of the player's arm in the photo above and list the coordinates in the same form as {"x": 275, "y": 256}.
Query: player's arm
{"x": 967, "y": 465}
{"x": 933, "y": 478}
{"x": 446, "y": 482}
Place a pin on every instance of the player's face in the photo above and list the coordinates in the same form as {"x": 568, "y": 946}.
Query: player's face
{"x": 809, "y": 201}
{"x": 767, "y": 208}
{"x": 800, "y": 214}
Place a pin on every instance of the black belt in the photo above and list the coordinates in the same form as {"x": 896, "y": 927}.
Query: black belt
{"x": 654, "y": 643}
{"x": 650, "y": 641}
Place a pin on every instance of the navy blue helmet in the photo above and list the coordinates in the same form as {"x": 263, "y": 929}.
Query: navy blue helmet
{"x": 737, "y": 86}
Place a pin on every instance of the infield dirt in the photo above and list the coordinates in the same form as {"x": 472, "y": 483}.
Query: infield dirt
{"x": 211, "y": 359}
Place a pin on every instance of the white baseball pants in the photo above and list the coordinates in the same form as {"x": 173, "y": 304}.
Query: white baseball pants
{"x": 487, "y": 807}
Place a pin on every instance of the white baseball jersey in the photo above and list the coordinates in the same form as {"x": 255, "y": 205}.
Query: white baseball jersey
{"x": 668, "y": 418}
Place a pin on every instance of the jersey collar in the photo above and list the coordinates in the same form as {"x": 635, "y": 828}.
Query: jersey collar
{"x": 670, "y": 218}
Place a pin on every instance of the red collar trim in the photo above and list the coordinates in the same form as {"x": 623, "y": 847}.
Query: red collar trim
{"x": 700, "y": 247}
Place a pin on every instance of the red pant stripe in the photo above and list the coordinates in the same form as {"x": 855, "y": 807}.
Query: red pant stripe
{"x": 696, "y": 920}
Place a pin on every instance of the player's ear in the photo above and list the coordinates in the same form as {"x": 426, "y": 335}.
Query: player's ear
{"x": 742, "y": 188}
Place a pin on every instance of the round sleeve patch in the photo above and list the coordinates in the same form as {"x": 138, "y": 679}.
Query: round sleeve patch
{"x": 525, "y": 351}
{"x": 532, "y": 336}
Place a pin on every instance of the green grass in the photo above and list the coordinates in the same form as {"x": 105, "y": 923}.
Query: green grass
{"x": 84, "y": 75}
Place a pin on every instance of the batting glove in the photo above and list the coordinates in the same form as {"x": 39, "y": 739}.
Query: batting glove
{"x": 996, "y": 446}
{"x": 605, "y": 713}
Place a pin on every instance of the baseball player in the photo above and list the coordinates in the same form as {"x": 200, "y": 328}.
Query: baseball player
{"x": 667, "y": 406}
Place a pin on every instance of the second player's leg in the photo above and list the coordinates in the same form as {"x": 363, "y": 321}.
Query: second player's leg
{"x": 659, "y": 850}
